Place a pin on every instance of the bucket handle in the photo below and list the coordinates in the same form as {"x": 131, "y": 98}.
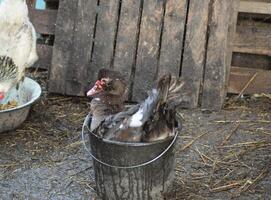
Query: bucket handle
{"x": 124, "y": 167}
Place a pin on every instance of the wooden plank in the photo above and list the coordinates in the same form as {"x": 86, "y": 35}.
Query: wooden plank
{"x": 251, "y": 60}
{"x": 106, "y": 28}
{"x": 173, "y": 35}
{"x": 218, "y": 55}
{"x": 62, "y": 46}
{"x": 45, "y": 56}
{"x": 240, "y": 76}
{"x": 253, "y": 50}
{"x": 43, "y": 20}
{"x": 231, "y": 32}
{"x": 127, "y": 39}
{"x": 255, "y": 7}
{"x": 253, "y": 37}
{"x": 194, "y": 49}
{"x": 148, "y": 48}
{"x": 252, "y": 17}
{"x": 76, "y": 77}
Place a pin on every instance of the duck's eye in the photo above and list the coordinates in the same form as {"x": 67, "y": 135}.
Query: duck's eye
{"x": 103, "y": 81}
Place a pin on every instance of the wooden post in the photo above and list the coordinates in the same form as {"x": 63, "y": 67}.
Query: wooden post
{"x": 63, "y": 44}
{"x": 195, "y": 49}
{"x": 106, "y": 27}
{"x": 148, "y": 48}
{"x": 219, "y": 50}
{"x": 127, "y": 39}
{"x": 172, "y": 36}
{"x": 77, "y": 78}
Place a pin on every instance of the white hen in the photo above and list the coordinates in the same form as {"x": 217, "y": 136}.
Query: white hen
{"x": 17, "y": 43}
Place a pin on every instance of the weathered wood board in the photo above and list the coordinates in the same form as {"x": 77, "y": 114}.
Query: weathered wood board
{"x": 251, "y": 60}
{"x": 253, "y": 37}
{"x": 76, "y": 75}
{"x": 218, "y": 54}
{"x": 148, "y": 48}
{"x": 194, "y": 49}
{"x": 62, "y": 49}
{"x": 234, "y": 10}
{"x": 255, "y": 6}
{"x": 105, "y": 35}
{"x": 127, "y": 39}
{"x": 172, "y": 36}
{"x": 240, "y": 76}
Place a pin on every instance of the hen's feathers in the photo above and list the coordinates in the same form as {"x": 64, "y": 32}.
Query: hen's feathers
{"x": 17, "y": 41}
{"x": 17, "y": 34}
{"x": 14, "y": 10}
{"x": 8, "y": 70}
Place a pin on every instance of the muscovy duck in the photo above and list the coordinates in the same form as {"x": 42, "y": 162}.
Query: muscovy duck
{"x": 153, "y": 119}
{"x": 108, "y": 95}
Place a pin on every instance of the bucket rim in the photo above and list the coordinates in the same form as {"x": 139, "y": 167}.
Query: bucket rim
{"x": 34, "y": 98}
{"x": 86, "y": 125}
{"x": 88, "y": 119}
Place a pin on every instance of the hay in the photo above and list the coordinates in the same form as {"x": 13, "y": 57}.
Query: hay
{"x": 225, "y": 156}
{"x": 9, "y": 105}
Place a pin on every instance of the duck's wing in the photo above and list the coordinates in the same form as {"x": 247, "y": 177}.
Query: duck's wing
{"x": 110, "y": 127}
{"x": 176, "y": 96}
{"x": 163, "y": 120}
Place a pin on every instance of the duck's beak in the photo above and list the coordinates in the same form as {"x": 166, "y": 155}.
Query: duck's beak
{"x": 97, "y": 88}
{"x": 93, "y": 91}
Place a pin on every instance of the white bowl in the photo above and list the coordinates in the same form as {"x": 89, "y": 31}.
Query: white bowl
{"x": 27, "y": 94}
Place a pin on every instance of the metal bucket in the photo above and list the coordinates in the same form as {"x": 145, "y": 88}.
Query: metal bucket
{"x": 28, "y": 93}
{"x": 131, "y": 170}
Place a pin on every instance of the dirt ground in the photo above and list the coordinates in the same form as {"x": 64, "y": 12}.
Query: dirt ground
{"x": 220, "y": 155}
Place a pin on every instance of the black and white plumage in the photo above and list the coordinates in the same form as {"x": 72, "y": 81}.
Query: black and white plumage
{"x": 8, "y": 69}
{"x": 17, "y": 41}
{"x": 8, "y": 75}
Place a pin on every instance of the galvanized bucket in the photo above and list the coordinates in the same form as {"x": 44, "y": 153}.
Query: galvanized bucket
{"x": 131, "y": 170}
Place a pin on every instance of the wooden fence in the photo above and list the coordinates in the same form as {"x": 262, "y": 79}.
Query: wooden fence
{"x": 252, "y": 49}
{"x": 142, "y": 39}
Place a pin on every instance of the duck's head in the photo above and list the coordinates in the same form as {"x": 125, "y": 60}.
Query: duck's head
{"x": 109, "y": 83}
